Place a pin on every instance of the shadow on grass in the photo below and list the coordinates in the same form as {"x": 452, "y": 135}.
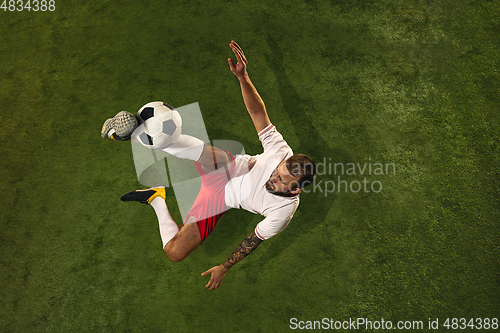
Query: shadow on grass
{"x": 314, "y": 206}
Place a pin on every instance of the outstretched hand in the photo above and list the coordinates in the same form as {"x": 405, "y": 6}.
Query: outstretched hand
{"x": 240, "y": 68}
{"x": 217, "y": 274}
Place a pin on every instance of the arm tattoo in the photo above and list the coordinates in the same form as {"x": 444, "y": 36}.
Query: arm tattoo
{"x": 245, "y": 248}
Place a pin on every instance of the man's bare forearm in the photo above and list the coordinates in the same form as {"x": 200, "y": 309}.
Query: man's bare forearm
{"x": 253, "y": 101}
{"x": 254, "y": 104}
{"x": 245, "y": 248}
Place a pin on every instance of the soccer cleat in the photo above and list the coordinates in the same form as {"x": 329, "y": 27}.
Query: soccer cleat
{"x": 145, "y": 196}
{"x": 120, "y": 127}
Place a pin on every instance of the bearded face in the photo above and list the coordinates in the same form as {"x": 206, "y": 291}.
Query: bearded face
{"x": 282, "y": 183}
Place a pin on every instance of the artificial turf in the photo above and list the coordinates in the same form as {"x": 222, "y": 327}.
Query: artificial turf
{"x": 412, "y": 84}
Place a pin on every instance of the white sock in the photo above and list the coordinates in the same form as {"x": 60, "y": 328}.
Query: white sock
{"x": 187, "y": 147}
{"x": 168, "y": 227}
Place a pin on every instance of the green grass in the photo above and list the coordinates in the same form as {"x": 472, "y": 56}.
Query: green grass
{"x": 414, "y": 83}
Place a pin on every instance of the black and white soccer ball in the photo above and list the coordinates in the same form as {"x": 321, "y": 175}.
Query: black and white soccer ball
{"x": 160, "y": 125}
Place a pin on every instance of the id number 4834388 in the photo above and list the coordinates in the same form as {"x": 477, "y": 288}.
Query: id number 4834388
{"x": 29, "y": 5}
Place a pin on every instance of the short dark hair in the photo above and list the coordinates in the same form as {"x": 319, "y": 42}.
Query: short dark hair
{"x": 303, "y": 167}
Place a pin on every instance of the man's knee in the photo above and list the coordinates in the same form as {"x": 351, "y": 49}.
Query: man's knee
{"x": 213, "y": 158}
{"x": 184, "y": 242}
{"x": 175, "y": 254}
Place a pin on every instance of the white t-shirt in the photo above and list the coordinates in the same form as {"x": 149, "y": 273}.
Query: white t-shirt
{"x": 248, "y": 190}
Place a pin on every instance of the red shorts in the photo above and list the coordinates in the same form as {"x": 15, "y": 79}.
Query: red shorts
{"x": 210, "y": 204}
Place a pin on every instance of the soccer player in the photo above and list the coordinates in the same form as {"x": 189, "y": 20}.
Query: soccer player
{"x": 268, "y": 184}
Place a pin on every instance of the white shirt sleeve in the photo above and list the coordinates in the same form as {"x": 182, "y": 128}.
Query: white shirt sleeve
{"x": 276, "y": 221}
{"x": 271, "y": 139}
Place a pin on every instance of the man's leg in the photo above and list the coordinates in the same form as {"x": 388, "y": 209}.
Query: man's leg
{"x": 192, "y": 148}
{"x": 178, "y": 244}
{"x": 213, "y": 158}
{"x": 184, "y": 242}
{"x": 168, "y": 227}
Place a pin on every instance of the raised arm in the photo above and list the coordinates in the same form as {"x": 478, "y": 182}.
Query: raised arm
{"x": 253, "y": 102}
{"x": 245, "y": 248}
